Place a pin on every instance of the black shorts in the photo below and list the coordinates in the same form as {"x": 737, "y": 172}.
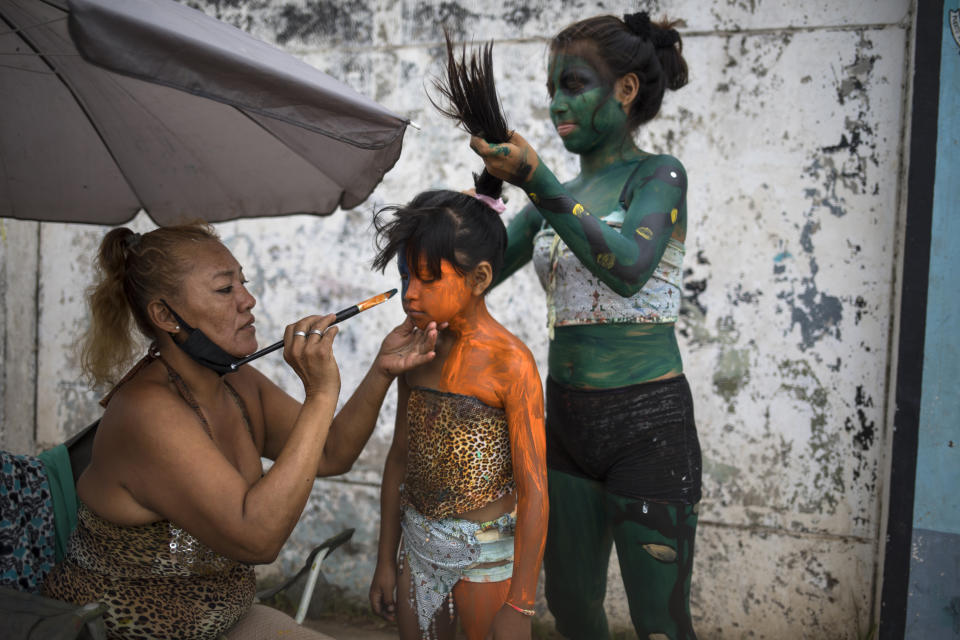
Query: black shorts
{"x": 639, "y": 441}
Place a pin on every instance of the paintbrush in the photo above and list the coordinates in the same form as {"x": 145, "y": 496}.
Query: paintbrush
{"x": 342, "y": 315}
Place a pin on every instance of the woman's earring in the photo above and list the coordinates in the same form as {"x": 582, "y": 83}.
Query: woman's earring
{"x": 176, "y": 328}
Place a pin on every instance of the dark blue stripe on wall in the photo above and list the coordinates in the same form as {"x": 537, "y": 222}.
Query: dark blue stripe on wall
{"x": 913, "y": 310}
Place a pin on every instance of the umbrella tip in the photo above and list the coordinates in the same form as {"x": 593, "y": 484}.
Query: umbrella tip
{"x": 414, "y": 125}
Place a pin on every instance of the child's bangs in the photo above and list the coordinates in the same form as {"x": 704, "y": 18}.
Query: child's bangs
{"x": 433, "y": 241}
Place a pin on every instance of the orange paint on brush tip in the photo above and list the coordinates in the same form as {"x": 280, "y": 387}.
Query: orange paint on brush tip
{"x": 375, "y": 300}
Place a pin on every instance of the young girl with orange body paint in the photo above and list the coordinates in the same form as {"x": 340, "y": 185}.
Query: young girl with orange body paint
{"x": 465, "y": 479}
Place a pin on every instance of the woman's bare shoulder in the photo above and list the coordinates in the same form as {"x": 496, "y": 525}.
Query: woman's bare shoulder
{"x": 137, "y": 408}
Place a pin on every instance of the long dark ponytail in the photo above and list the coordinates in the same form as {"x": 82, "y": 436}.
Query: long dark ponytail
{"x": 471, "y": 100}
{"x": 449, "y": 225}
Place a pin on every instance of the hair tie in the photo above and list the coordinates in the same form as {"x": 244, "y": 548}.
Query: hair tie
{"x": 639, "y": 23}
{"x": 495, "y": 204}
{"x": 665, "y": 38}
{"x": 133, "y": 240}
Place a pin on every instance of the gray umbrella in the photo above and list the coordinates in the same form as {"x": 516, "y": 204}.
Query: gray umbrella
{"x": 109, "y": 106}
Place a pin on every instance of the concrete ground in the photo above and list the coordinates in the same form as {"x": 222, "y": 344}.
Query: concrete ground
{"x": 341, "y": 631}
{"x": 339, "y": 628}
{"x": 352, "y": 629}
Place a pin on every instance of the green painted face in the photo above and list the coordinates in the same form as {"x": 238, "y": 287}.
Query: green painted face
{"x": 582, "y": 107}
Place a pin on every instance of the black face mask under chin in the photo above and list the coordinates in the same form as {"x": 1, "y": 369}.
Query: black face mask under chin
{"x": 202, "y": 349}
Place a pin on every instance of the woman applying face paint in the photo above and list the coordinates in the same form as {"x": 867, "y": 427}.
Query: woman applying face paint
{"x": 175, "y": 507}
{"x": 623, "y": 455}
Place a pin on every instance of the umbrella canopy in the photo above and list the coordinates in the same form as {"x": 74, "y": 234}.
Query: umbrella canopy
{"x": 107, "y": 107}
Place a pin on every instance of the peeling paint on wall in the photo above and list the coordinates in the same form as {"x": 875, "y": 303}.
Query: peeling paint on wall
{"x": 789, "y": 131}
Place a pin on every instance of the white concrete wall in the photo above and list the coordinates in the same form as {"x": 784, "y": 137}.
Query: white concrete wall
{"x": 792, "y": 133}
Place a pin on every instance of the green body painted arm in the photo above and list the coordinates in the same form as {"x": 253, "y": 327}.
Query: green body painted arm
{"x": 622, "y": 259}
{"x": 520, "y": 234}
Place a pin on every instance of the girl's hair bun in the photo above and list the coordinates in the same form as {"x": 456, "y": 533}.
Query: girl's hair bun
{"x": 639, "y": 23}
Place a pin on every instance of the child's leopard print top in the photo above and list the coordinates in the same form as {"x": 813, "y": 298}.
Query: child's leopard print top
{"x": 458, "y": 453}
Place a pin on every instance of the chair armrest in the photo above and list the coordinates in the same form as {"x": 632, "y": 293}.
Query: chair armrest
{"x": 329, "y": 545}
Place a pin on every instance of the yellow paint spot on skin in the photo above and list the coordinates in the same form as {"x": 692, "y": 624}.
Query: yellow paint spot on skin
{"x": 578, "y": 209}
{"x": 535, "y": 198}
{"x": 645, "y": 232}
{"x": 606, "y": 260}
{"x": 661, "y": 552}
{"x": 673, "y": 216}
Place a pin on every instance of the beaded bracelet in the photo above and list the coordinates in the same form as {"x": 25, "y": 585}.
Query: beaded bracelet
{"x": 526, "y": 612}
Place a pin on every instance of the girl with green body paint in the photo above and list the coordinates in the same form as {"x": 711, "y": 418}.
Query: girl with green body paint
{"x": 623, "y": 456}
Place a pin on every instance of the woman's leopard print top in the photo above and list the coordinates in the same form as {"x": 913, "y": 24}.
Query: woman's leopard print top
{"x": 458, "y": 453}
{"x": 157, "y": 580}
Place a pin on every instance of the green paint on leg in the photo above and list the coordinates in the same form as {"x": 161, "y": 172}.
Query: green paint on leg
{"x": 576, "y": 556}
{"x": 658, "y": 591}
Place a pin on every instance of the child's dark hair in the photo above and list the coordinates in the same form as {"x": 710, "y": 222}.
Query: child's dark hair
{"x": 448, "y": 225}
{"x": 651, "y": 50}
{"x": 441, "y": 225}
{"x": 472, "y": 101}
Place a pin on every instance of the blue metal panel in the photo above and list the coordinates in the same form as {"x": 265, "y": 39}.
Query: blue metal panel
{"x": 933, "y": 611}
{"x": 933, "y": 608}
{"x": 937, "y": 502}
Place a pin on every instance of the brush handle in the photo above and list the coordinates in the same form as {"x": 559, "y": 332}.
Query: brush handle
{"x": 341, "y": 315}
